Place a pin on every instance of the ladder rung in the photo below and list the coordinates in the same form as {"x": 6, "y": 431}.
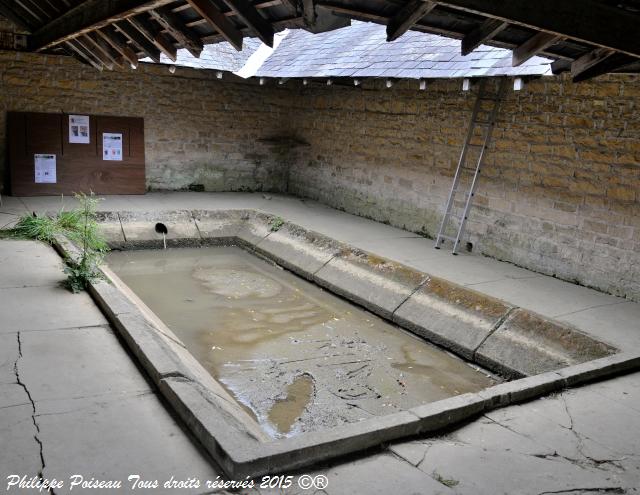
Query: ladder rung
{"x": 471, "y": 145}
{"x": 482, "y": 122}
{"x": 457, "y": 217}
{"x": 489, "y": 98}
{"x": 457, "y": 191}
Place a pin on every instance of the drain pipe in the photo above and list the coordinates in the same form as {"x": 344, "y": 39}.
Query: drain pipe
{"x": 162, "y": 229}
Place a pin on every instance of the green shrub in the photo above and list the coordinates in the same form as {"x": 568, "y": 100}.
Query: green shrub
{"x": 80, "y": 226}
{"x": 38, "y": 228}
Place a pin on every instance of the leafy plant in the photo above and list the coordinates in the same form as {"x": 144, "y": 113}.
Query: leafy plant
{"x": 276, "y": 224}
{"x": 38, "y": 228}
{"x": 80, "y": 226}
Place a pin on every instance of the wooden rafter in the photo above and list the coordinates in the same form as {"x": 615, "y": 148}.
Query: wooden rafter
{"x": 153, "y": 35}
{"x": 88, "y": 16}
{"x": 587, "y": 21}
{"x": 590, "y": 59}
{"x": 308, "y": 12}
{"x": 178, "y": 30}
{"x": 207, "y": 10}
{"x": 598, "y": 62}
{"x": 616, "y": 61}
{"x": 38, "y": 9}
{"x": 484, "y": 32}
{"x": 139, "y": 40}
{"x": 534, "y": 45}
{"x": 252, "y": 18}
{"x": 408, "y": 15}
{"x": 82, "y": 55}
{"x": 101, "y": 47}
{"x": 13, "y": 11}
{"x": 87, "y": 43}
{"x": 290, "y": 23}
{"x": 93, "y": 59}
{"x": 118, "y": 43}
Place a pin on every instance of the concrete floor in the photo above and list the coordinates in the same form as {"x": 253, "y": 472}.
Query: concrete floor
{"x": 72, "y": 401}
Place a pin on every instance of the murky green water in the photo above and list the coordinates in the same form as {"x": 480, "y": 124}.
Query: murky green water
{"x": 298, "y": 357}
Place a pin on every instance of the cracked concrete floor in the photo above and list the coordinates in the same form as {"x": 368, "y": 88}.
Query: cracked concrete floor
{"x": 72, "y": 401}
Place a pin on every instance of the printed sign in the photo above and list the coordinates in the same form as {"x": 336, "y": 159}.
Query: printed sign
{"x": 79, "y": 129}
{"x": 45, "y": 168}
{"x": 112, "y": 146}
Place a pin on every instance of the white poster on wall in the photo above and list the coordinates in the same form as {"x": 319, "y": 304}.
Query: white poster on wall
{"x": 79, "y": 129}
{"x": 45, "y": 168}
{"x": 112, "y": 146}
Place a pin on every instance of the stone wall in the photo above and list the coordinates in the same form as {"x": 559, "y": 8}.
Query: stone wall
{"x": 559, "y": 192}
{"x": 199, "y": 130}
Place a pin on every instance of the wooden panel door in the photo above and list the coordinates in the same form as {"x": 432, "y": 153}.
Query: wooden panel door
{"x": 79, "y": 167}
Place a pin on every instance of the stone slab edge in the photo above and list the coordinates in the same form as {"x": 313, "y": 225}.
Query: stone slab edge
{"x": 457, "y": 318}
{"x": 241, "y": 457}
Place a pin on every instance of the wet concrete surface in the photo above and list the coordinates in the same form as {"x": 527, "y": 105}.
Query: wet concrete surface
{"x": 297, "y": 357}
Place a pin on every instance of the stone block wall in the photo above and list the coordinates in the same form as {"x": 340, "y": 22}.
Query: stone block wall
{"x": 559, "y": 192}
{"x": 199, "y": 130}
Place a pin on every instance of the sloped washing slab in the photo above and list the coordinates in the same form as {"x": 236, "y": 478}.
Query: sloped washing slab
{"x": 453, "y": 316}
{"x": 526, "y": 344}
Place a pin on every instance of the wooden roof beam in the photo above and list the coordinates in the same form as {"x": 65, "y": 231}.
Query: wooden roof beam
{"x": 105, "y": 50}
{"x": 408, "y": 15}
{"x": 587, "y": 21}
{"x": 534, "y": 45}
{"x": 138, "y": 39}
{"x": 178, "y": 30}
{"x": 82, "y": 55}
{"x": 589, "y": 60}
{"x": 207, "y": 10}
{"x": 484, "y": 32}
{"x": 159, "y": 40}
{"x": 252, "y": 18}
{"x": 22, "y": 18}
{"x": 88, "y": 16}
{"x": 119, "y": 44}
{"x": 85, "y": 42}
{"x": 38, "y": 9}
{"x": 597, "y": 62}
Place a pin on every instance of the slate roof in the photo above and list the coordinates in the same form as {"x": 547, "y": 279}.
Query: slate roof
{"x": 220, "y": 56}
{"x": 361, "y": 51}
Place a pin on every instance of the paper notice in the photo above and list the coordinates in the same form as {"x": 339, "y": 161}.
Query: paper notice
{"x": 112, "y": 146}
{"x": 79, "y": 129}
{"x": 45, "y": 168}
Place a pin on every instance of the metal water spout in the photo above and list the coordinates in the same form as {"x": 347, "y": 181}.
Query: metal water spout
{"x": 162, "y": 229}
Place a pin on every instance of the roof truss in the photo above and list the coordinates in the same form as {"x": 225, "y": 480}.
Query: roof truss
{"x": 110, "y": 32}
